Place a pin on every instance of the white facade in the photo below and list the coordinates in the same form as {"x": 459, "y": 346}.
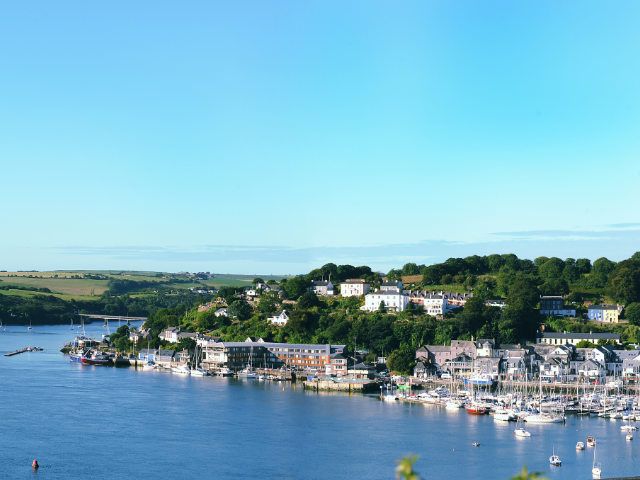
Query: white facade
{"x": 354, "y": 288}
{"x": 324, "y": 288}
{"x": 393, "y": 301}
{"x": 280, "y": 320}
{"x": 435, "y": 305}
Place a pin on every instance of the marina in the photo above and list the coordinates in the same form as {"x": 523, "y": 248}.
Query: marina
{"x": 263, "y": 416}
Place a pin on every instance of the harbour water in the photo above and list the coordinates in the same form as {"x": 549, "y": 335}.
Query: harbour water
{"x": 108, "y": 423}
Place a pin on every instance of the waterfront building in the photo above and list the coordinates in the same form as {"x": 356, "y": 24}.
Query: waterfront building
{"x": 147, "y": 354}
{"x": 552, "y": 338}
{"x": 553, "y": 306}
{"x": 392, "y": 286}
{"x": 280, "y": 320}
{"x": 174, "y": 335}
{"x": 164, "y": 357}
{"x": 516, "y": 362}
{"x": 461, "y": 365}
{"x": 236, "y": 355}
{"x": 485, "y": 347}
{"x": 354, "y": 287}
{"x": 323, "y": 288}
{"x": 337, "y": 365}
{"x": 434, "y": 357}
{"x": 604, "y": 313}
{"x": 488, "y": 366}
{"x": 393, "y": 301}
{"x": 464, "y": 346}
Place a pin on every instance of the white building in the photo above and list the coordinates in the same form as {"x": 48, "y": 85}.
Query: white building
{"x": 393, "y": 301}
{"x": 280, "y": 320}
{"x": 435, "y": 304}
{"x": 354, "y": 287}
{"x": 393, "y": 286}
{"x": 552, "y": 338}
{"x": 323, "y": 287}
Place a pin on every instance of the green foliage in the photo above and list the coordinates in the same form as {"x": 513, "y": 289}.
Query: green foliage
{"x": 295, "y": 287}
{"x": 526, "y": 475}
{"x": 624, "y": 282}
{"x": 404, "y": 469}
{"x": 632, "y": 313}
{"x": 239, "y": 309}
{"x": 402, "y": 360}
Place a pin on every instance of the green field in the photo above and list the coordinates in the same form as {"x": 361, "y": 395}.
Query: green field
{"x": 62, "y": 284}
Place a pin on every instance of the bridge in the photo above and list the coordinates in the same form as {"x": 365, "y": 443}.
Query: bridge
{"x": 112, "y": 317}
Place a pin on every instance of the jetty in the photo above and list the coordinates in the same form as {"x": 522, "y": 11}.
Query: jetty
{"x": 23, "y": 350}
{"x": 349, "y": 385}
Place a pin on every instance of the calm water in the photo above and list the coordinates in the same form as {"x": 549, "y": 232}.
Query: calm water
{"x": 98, "y": 422}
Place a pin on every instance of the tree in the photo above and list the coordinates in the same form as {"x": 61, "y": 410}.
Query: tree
{"x": 551, "y": 269}
{"x": 294, "y": 287}
{"x": 583, "y": 265}
{"x": 632, "y": 313}
{"x": 402, "y": 360}
{"x": 239, "y": 309}
{"x": 308, "y": 300}
{"x": 624, "y": 282}
{"x": 410, "y": 269}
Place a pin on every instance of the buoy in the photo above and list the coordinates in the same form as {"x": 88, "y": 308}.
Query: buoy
{"x": 34, "y": 464}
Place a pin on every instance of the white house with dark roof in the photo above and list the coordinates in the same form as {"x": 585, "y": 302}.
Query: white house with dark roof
{"x": 354, "y": 287}
{"x": 553, "y": 338}
{"x": 323, "y": 287}
{"x": 392, "y": 286}
{"x": 280, "y": 320}
{"x": 604, "y": 313}
{"x": 393, "y": 301}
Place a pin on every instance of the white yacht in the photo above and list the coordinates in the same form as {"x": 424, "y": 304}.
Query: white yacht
{"x": 199, "y": 372}
{"x": 521, "y": 432}
{"x": 453, "y": 405}
{"x": 580, "y": 446}
{"x": 555, "y": 459}
{"x": 181, "y": 370}
{"x": 596, "y": 469}
{"x": 247, "y": 372}
{"x": 543, "y": 418}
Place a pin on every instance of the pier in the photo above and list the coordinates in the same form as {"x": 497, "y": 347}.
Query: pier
{"x": 120, "y": 318}
{"x": 23, "y": 350}
{"x": 343, "y": 385}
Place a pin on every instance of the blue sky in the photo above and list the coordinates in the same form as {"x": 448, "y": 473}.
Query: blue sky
{"x": 271, "y": 137}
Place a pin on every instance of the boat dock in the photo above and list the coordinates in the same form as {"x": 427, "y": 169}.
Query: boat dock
{"x": 23, "y": 350}
{"x": 343, "y": 385}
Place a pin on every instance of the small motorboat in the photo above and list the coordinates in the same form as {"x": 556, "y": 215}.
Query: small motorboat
{"x": 225, "y": 372}
{"x": 628, "y": 428}
{"x": 95, "y": 358}
{"x": 181, "y": 370}
{"x": 476, "y": 444}
{"x": 628, "y": 437}
{"x": 476, "y": 409}
{"x": 580, "y": 446}
{"x": 591, "y": 441}
{"x": 521, "y": 432}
